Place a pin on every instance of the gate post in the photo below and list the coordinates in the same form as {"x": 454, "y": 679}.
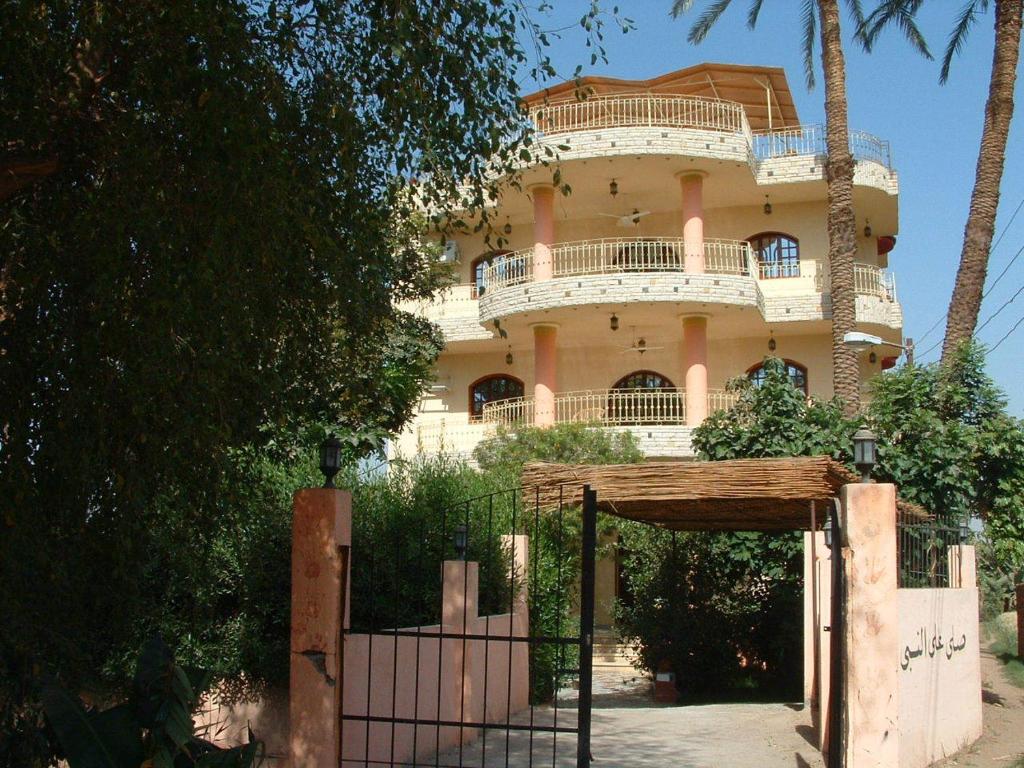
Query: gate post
{"x": 871, "y": 626}
{"x": 586, "y": 626}
{"x": 321, "y": 539}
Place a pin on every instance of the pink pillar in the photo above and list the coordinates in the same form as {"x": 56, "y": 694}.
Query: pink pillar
{"x": 872, "y": 625}
{"x": 321, "y": 540}
{"x": 695, "y": 365}
{"x": 545, "y": 367}
{"x": 543, "y": 231}
{"x": 693, "y": 221}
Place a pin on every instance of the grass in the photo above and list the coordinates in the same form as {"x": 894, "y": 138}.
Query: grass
{"x": 1003, "y": 643}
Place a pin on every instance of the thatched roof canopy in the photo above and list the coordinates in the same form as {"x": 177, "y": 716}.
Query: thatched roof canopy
{"x": 738, "y": 495}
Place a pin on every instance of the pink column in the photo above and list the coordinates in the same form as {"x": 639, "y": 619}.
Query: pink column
{"x": 321, "y": 538}
{"x": 543, "y": 231}
{"x": 693, "y": 221}
{"x": 872, "y": 631}
{"x": 545, "y": 373}
{"x": 695, "y": 364}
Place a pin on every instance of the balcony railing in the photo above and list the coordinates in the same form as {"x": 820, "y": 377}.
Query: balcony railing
{"x": 610, "y": 407}
{"x": 614, "y": 255}
{"x": 869, "y": 280}
{"x": 622, "y": 111}
{"x": 810, "y": 140}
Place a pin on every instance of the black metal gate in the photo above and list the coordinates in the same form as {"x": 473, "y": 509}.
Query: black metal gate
{"x": 471, "y": 639}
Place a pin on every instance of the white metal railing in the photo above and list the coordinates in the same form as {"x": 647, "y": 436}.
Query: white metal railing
{"x": 771, "y": 270}
{"x": 624, "y": 110}
{"x": 453, "y": 301}
{"x": 870, "y": 280}
{"x": 810, "y": 140}
{"x": 610, "y": 407}
{"x": 456, "y": 438}
{"x": 507, "y": 270}
{"x": 613, "y": 255}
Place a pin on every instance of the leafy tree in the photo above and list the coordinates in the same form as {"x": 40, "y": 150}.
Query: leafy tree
{"x": 208, "y": 212}
{"x": 981, "y": 219}
{"x": 839, "y": 166}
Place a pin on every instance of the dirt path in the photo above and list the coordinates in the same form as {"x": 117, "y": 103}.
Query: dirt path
{"x": 1002, "y": 744}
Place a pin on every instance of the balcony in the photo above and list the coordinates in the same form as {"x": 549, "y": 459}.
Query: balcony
{"x": 639, "y": 110}
{"x": 804, "y": 140}
{"x": 455, "y": 310}
{"x": 607, "y": 407}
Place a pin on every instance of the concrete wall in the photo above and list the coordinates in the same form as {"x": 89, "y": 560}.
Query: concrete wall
{"x": 939, "y": 673}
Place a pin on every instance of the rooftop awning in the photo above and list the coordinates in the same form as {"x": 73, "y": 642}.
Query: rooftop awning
{"x": 737, "y": 495}
{"x": 763, "y": 91}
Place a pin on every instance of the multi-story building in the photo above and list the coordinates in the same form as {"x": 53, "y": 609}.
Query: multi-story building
{"x": 693, "y": 243}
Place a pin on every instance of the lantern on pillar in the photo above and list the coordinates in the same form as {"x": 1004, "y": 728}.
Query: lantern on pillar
{"x": 330, "y": 459}
{"x": 865, "y": 452}
{"x": 460, "y": 540}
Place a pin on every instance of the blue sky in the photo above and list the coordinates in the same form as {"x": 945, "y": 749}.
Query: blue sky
{"x": 893, "y": 93}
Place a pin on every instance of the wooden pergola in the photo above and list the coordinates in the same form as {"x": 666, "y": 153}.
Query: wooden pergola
{"x": 737, "y": 495}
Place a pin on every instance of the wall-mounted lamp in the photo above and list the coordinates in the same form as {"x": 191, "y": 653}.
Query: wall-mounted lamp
{"x": 614, "y": 324}
{"x": 865, "y": 452}
{"x": 613, "y": 188}
{"x": 867, "y": 228}
{"x": 508, "y": 355}
{"x": 330, "y": 459}
{"x": 460, "y": 540}
{"x": 827, "y": 530}
{"x": 507, "y": 229}
{"x": 872, "y": 358}
{"x": 767, "y": 206}
{"x": 771, "y": 341}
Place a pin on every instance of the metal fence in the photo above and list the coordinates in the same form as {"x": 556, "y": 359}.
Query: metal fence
{"x": 922, "y": 550}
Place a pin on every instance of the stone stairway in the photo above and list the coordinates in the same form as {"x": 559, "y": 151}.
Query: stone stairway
{"x": 612, "y": 667}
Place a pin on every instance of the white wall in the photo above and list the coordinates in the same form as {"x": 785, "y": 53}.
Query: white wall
{"x": 939, "y": 687}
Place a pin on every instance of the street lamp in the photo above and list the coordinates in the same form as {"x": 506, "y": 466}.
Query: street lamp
{"x": 865, "y": 452}
{"x": 861, "y": 342}
{"x": 460, "y": 538}
{"x": 330, "y": 459}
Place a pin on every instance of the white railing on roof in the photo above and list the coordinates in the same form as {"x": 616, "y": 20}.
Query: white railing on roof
{"x": 624, "y": 110}
{"x": 810, "y": 140}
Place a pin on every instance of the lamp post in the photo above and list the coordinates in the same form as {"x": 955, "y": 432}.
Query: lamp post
{"x": 861, "y": 342}
{"x": 330, "y": 459}
{"x": 865, "y": 452}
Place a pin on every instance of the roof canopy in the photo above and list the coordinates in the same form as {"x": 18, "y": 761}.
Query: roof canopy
{"x": 738, "y": 495}
{"x": 758, "y": 89}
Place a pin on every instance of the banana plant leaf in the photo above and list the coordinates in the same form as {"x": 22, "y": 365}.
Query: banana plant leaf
{"x": 108, "y": 739}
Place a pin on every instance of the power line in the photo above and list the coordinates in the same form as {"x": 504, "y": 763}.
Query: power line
{"x": 1007, "y": 335}
{"x": 999, "y": 239}
{"x": 1006, "y": 303}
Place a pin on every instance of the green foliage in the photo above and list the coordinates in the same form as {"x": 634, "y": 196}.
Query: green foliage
{"x": 153, "y": 727}
{"x": 1002, "y": 634}
{"x": 505, "y": 454}
{"x": 210, "y": 266}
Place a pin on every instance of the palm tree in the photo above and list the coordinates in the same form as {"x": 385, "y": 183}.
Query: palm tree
{"x": 965, "y": 305}
{"x": 842, "y": 236}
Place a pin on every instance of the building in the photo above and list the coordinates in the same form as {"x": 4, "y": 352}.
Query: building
{"x": 693, "y": 242}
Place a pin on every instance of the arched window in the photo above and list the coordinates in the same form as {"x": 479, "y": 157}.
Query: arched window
{"x": 796, "y": 372}
{"x": 476, "y": 271}
{"x": 777, "y": 254}
{"x": 494, "y": 387}
{"x": 644, "y": 380}
{"x": 645, "y": 397}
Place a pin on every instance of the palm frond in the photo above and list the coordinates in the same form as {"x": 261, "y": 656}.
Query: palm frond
{"x": 898, "y": 12}
{"x": 957, "y": 38}
{"x": 679, "y": 7}
{"x": 707, "y": 20}
{"x": 857, "y": 11}
{"x": 753, "y": 13}
{"x": 810, "y": 22}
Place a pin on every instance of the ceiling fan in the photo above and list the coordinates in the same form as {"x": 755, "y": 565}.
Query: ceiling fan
{"x": 630, "y": 219}
{"x": 639, "y": 346}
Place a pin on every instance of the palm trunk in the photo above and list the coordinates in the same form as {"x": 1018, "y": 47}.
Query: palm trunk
{"x": 981, "y": 221}
{"x": 842, "y": 237}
